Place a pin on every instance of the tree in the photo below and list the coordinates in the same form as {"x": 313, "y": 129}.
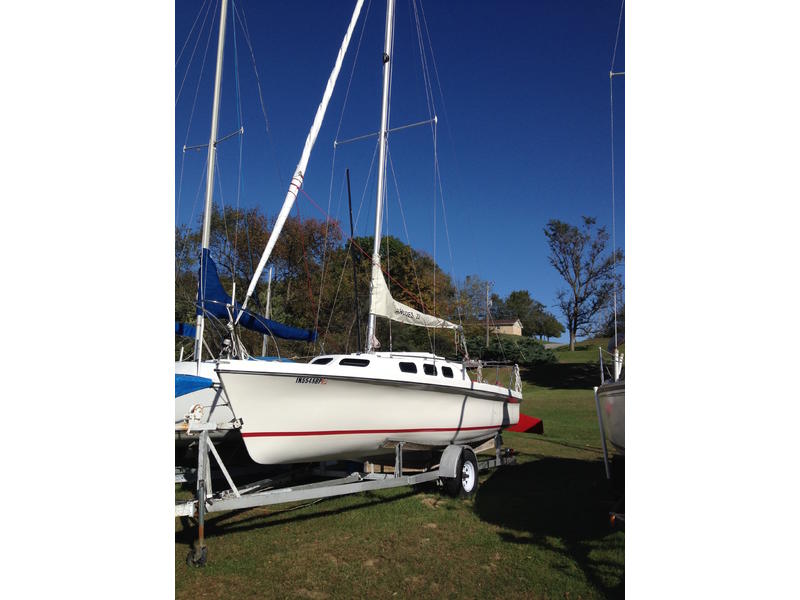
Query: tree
{"x": 579, "y": 255}
{"x": 510, "y": 348}
{"x": 548, "y": 326}
{"x": 472, "y": 299}
{"x": 533, "y": 315}
{"x": 608, "y": 323}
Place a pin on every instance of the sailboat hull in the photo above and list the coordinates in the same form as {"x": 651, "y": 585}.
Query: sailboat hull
{"x": 612, "y": 405}
{"x": 304, "y": 417}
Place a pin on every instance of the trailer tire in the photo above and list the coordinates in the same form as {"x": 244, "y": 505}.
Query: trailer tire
{"x": 465, "y": 484}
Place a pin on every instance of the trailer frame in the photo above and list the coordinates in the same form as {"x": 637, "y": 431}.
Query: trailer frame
{"x": 336, "y": 482}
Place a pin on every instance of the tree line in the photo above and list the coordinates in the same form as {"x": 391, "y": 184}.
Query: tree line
{"x": 313, "y": 288}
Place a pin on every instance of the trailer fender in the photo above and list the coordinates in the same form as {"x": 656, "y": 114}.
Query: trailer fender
{"x": 448, "y": 466}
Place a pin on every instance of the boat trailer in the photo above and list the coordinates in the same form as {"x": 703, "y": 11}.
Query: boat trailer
{"x": 457, "y": 471}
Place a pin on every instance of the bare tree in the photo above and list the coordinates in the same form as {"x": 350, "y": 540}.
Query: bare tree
{"x": 579, "y": 255}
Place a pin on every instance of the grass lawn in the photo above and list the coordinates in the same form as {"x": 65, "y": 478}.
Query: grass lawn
{"x": 537, "y": 529}
{"x": 586, "y": 351}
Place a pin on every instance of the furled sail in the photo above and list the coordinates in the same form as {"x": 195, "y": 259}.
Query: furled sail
{"x": 383, "y": 305}
{"x": 213, "y": 300}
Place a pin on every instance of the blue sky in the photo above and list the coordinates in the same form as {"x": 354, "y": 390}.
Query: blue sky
{"x": 523, "y": 134}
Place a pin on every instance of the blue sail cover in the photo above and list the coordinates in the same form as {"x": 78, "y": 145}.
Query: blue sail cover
{"x": 185, "y": 330}
{"x": 186, "y": 384}
{"x": 213, "y": 298}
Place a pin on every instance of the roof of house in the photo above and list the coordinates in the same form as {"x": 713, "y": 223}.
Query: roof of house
{"x": 507, "y": 321}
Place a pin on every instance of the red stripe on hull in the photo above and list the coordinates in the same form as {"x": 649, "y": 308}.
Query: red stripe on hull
{"x": 357, "y": 431}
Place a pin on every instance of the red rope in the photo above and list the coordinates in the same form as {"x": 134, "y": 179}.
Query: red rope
{"x": 364, "y": 252}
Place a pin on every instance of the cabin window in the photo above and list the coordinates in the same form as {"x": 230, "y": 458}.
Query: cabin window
{"x": 354, "y": 362}
{"x": 322, "y": 361}
{"x": 447, "y": 372}
{"x": 408, "y": 367}
{"x": 429, "y": 369}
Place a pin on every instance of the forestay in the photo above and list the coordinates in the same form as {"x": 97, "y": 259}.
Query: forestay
{"x": 383, "y": 305}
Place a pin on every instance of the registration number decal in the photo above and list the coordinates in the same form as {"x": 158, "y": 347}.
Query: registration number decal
{"x": 315, "y": 380}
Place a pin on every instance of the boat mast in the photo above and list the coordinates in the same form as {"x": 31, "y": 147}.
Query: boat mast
{"x": 212, "y": 155}
{"x": 376, "y": 259}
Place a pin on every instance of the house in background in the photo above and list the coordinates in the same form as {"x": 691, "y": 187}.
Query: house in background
{"x": 507, "y": 326}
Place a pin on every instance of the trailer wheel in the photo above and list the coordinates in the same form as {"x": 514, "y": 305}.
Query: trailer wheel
{"x": 465, "y": 484}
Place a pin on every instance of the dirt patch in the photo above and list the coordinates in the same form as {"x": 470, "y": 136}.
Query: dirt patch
{"x": 430, "y": 501}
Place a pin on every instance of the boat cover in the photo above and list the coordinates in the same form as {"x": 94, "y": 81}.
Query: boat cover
{"x": 213, "y": 300}
{"x": 185, "y": 330}
{"x": 186, "y": 384}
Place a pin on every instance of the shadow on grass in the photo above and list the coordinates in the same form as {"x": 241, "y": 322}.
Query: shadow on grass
{"x": 572, "y": 376}
{"x": 233, "y": 521}
{"x": 559, "y": 498}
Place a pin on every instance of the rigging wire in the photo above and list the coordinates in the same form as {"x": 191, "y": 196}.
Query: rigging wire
{"x": 241, "y": 17}
{"x": 200, "y": 185}
{"x": 237, "y": 89}
{"x": 431, "y": 106}
{"x": 191, "y": 117}
{"x": 408, "y": 242}
{"x": 434, "y": 130}
{"x": 613, "y": 177}
{"x": 243, "y": 21}
{"x": 352, "y": 241}
{"x": 210, "y": 29}
{"x": 226, "y": 243}
{"x": 333, "y": 162}
{"x": 305, "y": 255}
{"x": 189, "y": 35}
{"x": 339, "y": 285}
{"x": 616, "y": 40}
{"x": 386, "y": 237}
{"x": 360, "y": 249}
{"x": 450, "y": 136}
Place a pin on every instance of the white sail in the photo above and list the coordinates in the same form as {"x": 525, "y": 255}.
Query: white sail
{"x": 299, "y": 173}
{"x": 383, "y": 305}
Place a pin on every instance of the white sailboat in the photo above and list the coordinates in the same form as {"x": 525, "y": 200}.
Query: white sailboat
{"x": 362, "y": 404}
{"x": 611, "y": 399}
{"x": 200, "y": 399}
